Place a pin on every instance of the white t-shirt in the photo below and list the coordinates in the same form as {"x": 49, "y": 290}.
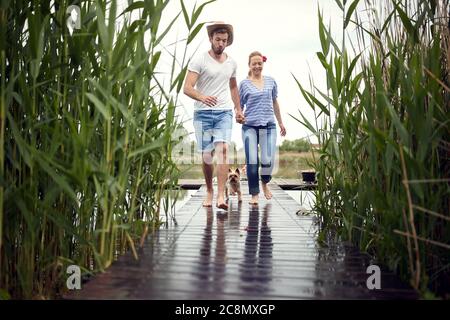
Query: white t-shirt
{"x": 214, "y": 80}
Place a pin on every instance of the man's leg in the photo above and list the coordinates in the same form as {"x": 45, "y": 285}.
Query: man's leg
{"x": 223, "y": 123}
{"x": 208, "y": 171}
{"x": 203, "y": 133}
{"x": 222, "y": 172}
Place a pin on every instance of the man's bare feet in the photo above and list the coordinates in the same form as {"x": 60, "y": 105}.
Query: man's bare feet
{"x": 266, "y": 191}
{"x": 208, "y": 201}
{"x": 254, "y": 199}
{"x": 221, "y": 203}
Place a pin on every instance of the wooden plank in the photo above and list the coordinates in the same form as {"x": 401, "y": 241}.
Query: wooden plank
{"x": 190, "y": 184}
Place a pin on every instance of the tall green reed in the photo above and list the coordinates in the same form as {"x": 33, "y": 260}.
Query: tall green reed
{"x": 383, "y": 126}
{"x": 85, "y": 137}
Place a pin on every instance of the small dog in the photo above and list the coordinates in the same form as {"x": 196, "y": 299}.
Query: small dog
{"x": 233, "y": 185}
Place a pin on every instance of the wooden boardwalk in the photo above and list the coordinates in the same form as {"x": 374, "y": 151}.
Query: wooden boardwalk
{"x": 267, "y": 252}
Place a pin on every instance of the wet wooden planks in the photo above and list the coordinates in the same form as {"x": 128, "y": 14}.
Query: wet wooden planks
{"x": 247, "y": 252}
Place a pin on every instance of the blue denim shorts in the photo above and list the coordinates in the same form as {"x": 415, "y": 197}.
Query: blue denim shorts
{"x": 212, "y": 126}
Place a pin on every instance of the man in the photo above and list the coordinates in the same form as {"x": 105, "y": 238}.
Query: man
{"x": 211, "y": 81}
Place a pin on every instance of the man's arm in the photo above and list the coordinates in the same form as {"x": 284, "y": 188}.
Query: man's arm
{"x": 189, "y": 90}
{"x": 236, "y": 101}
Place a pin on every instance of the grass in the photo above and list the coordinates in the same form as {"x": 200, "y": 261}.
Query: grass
{"x": 383, "y": 124}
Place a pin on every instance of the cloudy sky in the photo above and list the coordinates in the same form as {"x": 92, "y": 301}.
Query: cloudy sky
{"x": 286, "y": 31}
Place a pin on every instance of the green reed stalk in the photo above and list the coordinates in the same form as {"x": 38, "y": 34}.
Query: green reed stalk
{"x": 2, "y": 143}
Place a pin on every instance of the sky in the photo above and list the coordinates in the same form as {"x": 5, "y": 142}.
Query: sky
{"x": 286, "y": 31}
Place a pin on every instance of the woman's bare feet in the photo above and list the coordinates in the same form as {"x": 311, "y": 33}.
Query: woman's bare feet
{"x": 254, "y": 199}
{"x": 208, "y": 201}
{"x": 266, "y": 191}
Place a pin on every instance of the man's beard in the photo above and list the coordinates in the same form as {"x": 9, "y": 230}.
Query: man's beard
{"x": 218, "y": 51}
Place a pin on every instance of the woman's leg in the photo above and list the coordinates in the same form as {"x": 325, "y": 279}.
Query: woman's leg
{"x": 250, "y": 140}
{"x": 267, "y": 141}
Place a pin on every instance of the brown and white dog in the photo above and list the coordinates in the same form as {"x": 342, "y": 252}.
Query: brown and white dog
{"x": 233, "y": 185}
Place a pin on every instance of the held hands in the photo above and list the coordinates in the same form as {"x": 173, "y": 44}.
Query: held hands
{"x": 210, "y": 101}
{"x": 282, "y": 130}
{"x": 240, "y": 118}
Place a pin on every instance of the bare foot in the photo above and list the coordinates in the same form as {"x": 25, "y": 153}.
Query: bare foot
{"x": 266, "y": 190}
{"x": 221, "y": 204}
{"x": 254, "y": 200}
{"x": 208, "y": 201}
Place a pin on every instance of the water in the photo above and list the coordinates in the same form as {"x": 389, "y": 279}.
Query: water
{"x": 304, "y": 198}
{"x": 184, "y": 197}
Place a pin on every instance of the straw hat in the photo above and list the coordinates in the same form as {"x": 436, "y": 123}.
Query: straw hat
{"x": 219, "y": 25}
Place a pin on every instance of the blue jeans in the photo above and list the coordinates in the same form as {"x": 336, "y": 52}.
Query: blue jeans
{"x": 266, "y": 138}
{"x": 212, "y": 126}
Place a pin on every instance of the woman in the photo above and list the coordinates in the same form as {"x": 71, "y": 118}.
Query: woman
{"x": 258, "y": 95}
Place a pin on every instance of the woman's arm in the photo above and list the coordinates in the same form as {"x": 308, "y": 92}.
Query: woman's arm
{"x": 236, "y": 101}
{"x": 276, "y": 109}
